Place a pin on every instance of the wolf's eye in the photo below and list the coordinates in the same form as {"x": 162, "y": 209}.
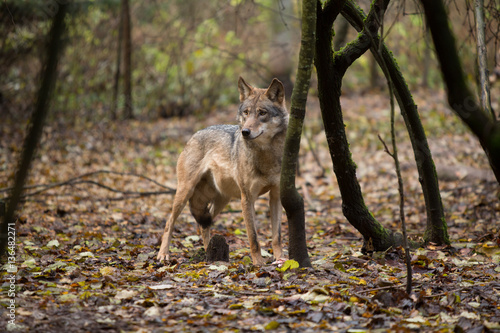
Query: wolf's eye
{"x": 262, "y": 112}
{"x": 245, "y": 112}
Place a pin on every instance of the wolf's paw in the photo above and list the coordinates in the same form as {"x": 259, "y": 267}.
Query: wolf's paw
{"x": 279, "y": 262}
{"x": 162, "y": 257}
{"x": 258, "y": 261}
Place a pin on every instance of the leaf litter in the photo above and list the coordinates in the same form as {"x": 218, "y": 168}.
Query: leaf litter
{"x": 86, "y": 256}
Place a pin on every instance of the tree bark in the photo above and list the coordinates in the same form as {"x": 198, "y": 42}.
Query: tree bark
{"x": 37, "y": 122}
{"x": 290, "y": 198}
{"x": 436, "y": 228}
{"x": 330, "y": 70}
{"x": 460, "y": 97}
{"x": 127, "y": 59}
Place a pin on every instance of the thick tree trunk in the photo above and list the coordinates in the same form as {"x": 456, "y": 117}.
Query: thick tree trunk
{"x": 330, "y": 70}
{"x": 436, "y": 228}
{"x": 127, "y": 59}
{"x": 290, "y": 198}
{"x": 460, "y": 97}
{"x": 37, "y": 122}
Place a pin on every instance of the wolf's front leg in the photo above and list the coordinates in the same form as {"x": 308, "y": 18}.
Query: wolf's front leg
{"x": 276, "y": 213}
{"x": 184, "y": 192}
{"x": 163, "y": 254}
{"x": 247, "y": 206}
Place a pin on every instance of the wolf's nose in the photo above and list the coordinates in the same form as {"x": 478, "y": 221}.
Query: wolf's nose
{"x": 245, "y": 132}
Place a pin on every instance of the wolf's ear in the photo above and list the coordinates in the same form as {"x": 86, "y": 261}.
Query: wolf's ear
{"x": 245, "y": 89}
{"x": 276, "y": 91}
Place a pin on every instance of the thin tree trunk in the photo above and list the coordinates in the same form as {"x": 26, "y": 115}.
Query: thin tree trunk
{"x": 127, "y": 59}
{"x": 482, "y": 58}
{"x": 330, "y": 70}
{"x": 290, "y": 198}
{"x": 436, "y": 228}
{"x": 114, "y": 101}
{"x": 460, "y": 97}
{"x": 37, "y": 122}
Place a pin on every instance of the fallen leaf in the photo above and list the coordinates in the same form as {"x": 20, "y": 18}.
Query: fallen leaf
{"x": 162, "y": 286}
{"x": 125, "y": 294}
{"x": 53, "y": 243}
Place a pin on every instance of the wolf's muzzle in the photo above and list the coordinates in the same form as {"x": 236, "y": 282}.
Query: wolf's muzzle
{"x": 246, "y": 132}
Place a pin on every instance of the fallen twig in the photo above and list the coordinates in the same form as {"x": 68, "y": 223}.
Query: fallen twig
{"x": 79, "y": 180}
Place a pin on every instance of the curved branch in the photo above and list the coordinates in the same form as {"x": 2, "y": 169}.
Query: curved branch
{"x": 362, "y": 43}
{"x": 436, "y": 230}
{"x": 330, "y": 70}
{"x": 79, "y": 180}
{"x": 331, "y": 10}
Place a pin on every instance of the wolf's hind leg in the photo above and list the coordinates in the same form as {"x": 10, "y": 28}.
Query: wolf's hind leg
{"x": 218, "y": 205}
{"x": 200, "y": 204}
{"x": 205, "y": 204}
{"x": 215, "y": 207}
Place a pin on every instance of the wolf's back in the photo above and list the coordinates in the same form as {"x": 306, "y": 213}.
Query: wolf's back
{"x": 216, "y": 135}
{"x": 214, "y": 141}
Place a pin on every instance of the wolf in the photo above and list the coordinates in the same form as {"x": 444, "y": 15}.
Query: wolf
{"x": 243, "y": 161}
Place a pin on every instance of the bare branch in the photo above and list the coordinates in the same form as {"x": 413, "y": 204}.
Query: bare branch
{"x": 79, "y": 180}
{"x": 386, "y": 149}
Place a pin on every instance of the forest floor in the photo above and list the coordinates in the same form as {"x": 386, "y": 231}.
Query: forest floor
{"x": 86, "y": 255}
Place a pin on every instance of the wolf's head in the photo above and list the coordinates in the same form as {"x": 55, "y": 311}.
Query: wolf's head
{"x": 262, "y": 112}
